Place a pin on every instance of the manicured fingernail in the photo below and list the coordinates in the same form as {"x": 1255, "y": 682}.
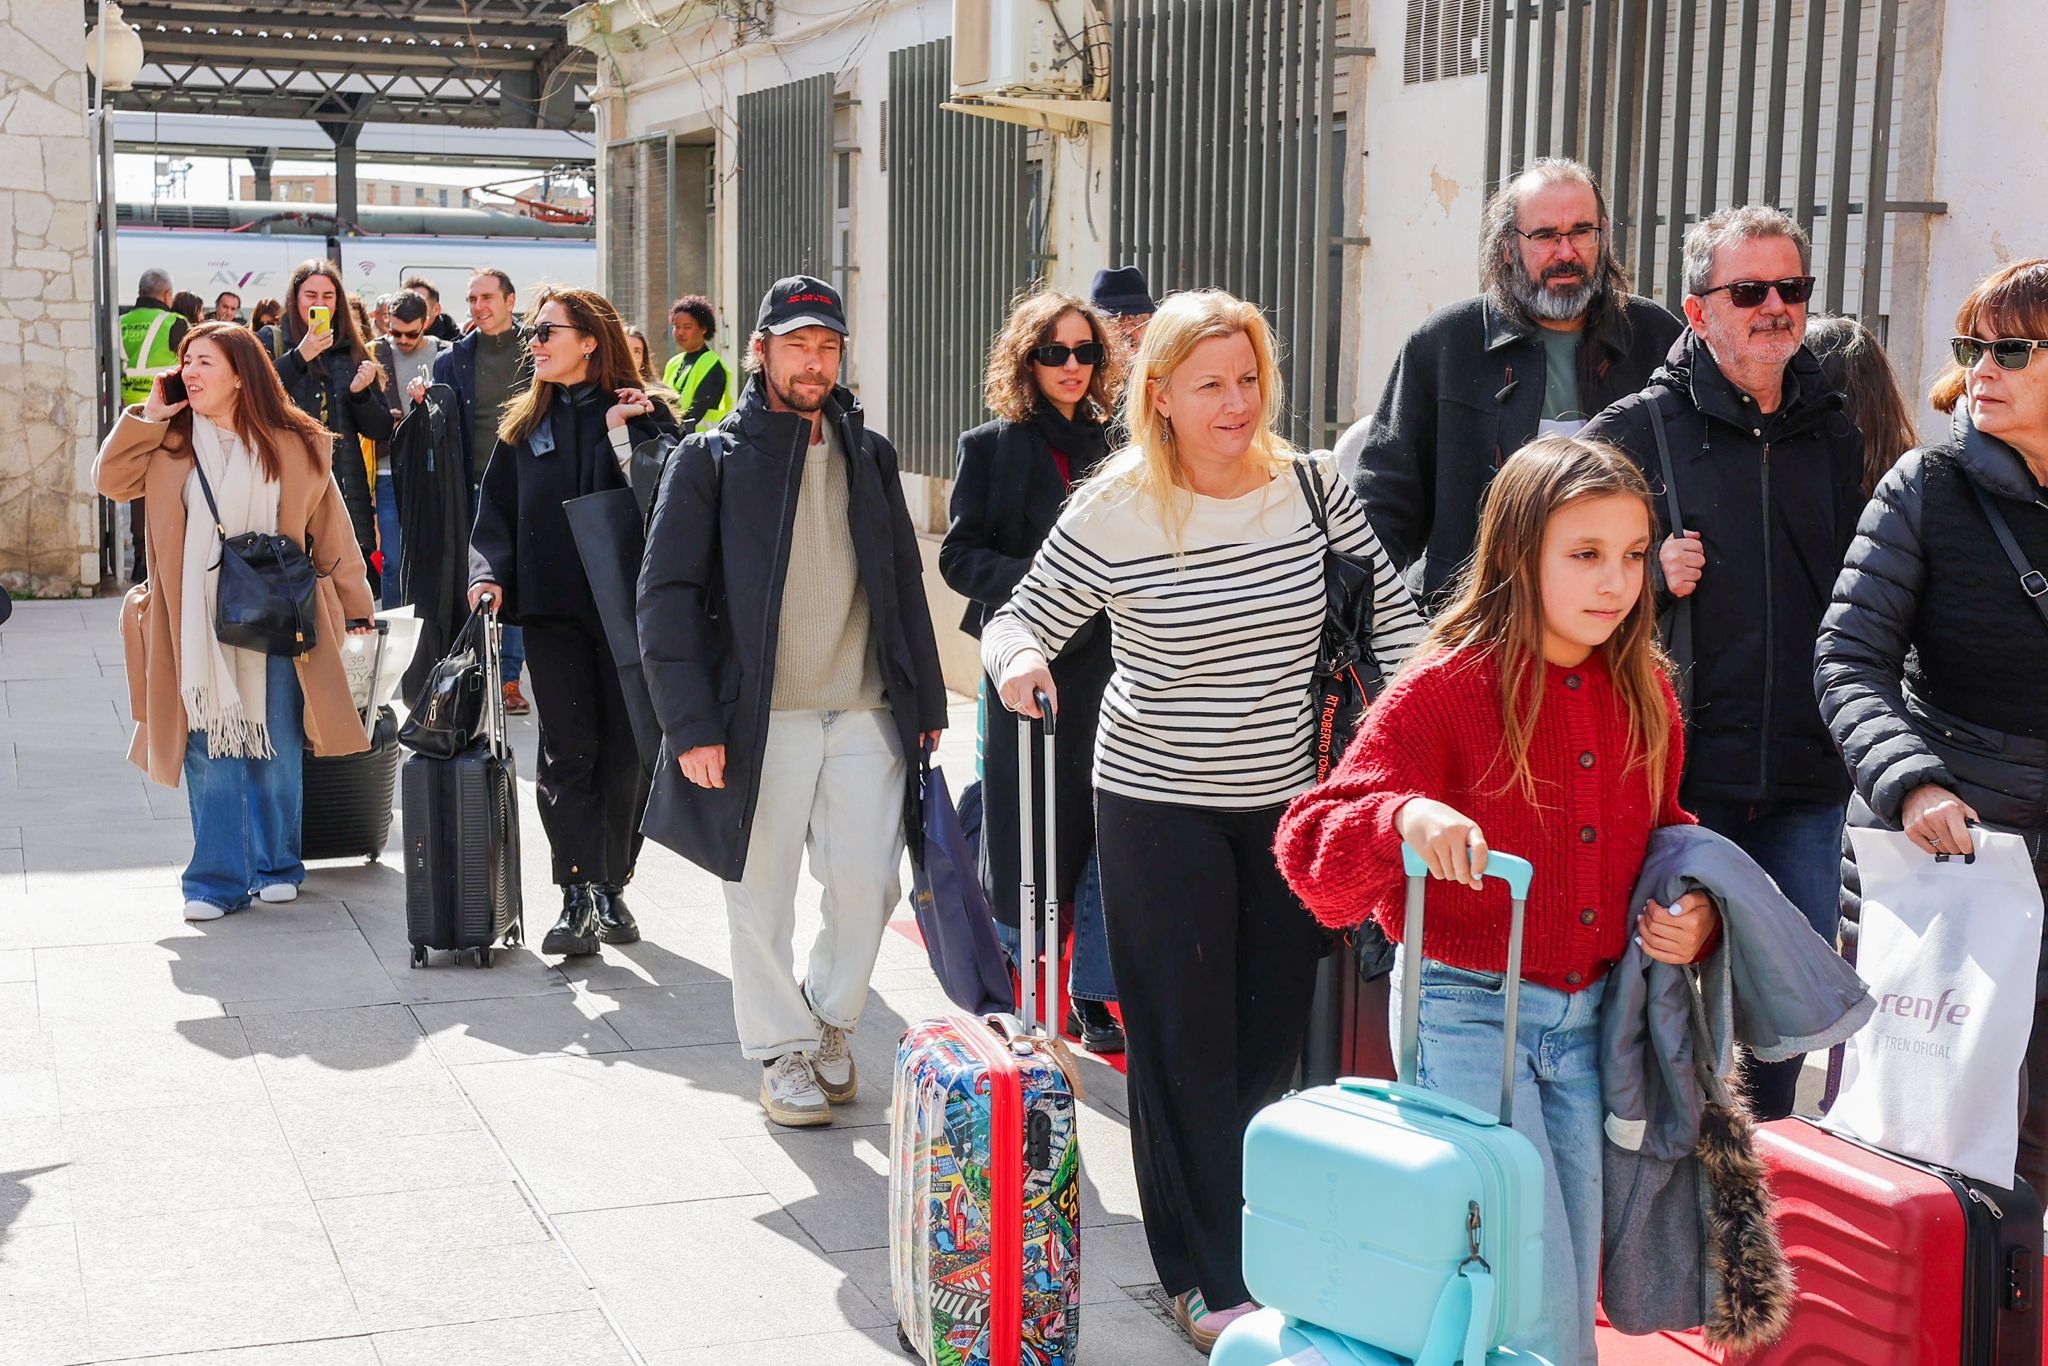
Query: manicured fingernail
{"x": 1673, "y": 910}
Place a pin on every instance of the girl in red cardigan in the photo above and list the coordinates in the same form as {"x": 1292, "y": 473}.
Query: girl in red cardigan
{"x": 1538, "y": 717}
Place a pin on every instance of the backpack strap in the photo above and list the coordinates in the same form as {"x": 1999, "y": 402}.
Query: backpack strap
{"x": 1678, "y": 621}
{"x": 2032, "y": 582}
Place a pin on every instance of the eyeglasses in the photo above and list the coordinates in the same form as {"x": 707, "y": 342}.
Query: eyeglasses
{"x": 2011, "y": 353}
{"x": 544, "y": 332}
{"x": 1054, "y": 355}
{"x": 1793, "y": 289}
{"x": 1582, "y": 235}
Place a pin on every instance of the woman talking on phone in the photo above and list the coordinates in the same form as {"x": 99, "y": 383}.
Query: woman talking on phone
{"x": 324, "y": 362}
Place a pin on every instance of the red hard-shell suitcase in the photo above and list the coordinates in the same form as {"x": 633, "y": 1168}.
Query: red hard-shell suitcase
{"x": 1898, "y": 1262}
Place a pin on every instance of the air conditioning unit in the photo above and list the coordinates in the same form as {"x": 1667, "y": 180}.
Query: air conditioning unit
{"x": 1035, "y": 49}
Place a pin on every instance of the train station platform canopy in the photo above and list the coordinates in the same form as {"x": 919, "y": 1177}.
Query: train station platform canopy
{"x": 343, "y": 64}
{"x": 210, "y": 135}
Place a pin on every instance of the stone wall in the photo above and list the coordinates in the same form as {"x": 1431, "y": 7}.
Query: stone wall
{"x": 48, "y": 523}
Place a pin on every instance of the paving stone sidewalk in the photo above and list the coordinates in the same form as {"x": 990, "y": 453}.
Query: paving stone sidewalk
{"x": 268, "y": 1141}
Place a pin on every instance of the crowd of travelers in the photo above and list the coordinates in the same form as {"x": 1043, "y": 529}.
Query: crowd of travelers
{"x": 1631, "y": 570}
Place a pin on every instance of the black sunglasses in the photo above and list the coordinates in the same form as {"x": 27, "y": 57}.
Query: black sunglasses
{"x": 1054, "y": 355}
{"x": 1793, "y": 289}
{"x": 544, "y": 332}
{"x": 413, "y": 335}
{"x": 2011, "y": 353}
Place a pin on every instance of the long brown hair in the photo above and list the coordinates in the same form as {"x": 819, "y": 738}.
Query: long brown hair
{"x": 1854, "y": 360}
{"x": 348, "y": 338}
{"x": 1498, "y": 600}
{"x": 2013, "y": 301}
{"x": 262, "y": 412}
{"x": 1010, "y": 386}
{"x": 611, "y": 364}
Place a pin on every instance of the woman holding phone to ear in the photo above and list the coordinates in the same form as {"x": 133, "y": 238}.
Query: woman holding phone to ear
{"x": 324, "y": 362}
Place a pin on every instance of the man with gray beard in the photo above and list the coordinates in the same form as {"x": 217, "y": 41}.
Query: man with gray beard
{"x": 1555, "y": 338}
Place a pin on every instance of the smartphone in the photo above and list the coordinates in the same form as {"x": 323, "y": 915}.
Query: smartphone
{"x": 322, "y": 316}
{"x": 172, "y": 386}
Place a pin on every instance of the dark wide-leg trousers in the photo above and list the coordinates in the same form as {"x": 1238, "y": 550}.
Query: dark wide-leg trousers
{"x": 592, "y": 787}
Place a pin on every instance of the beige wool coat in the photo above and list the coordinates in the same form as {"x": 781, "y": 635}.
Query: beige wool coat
{"x": 151, "y": 460}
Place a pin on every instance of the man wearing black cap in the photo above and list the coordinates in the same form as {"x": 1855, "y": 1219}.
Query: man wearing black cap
{"x": 1120, "y": 295}
{"x": 791, "y": 660}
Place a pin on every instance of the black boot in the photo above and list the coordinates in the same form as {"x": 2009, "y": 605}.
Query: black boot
{"x": 576, "y": 932}
{"x": 1095, "y": 1027}
{"x": 614, "y": 922}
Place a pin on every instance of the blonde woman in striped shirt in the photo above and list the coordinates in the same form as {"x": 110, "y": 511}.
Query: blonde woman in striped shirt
{"x": 1199, "y": 543}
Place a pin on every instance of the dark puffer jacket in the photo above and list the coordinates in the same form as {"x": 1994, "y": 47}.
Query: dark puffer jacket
{"x": 1775, "y": 500}
{"x": 1932, "y": 664}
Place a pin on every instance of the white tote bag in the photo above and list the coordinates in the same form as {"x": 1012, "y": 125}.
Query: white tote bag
{"x": 1949, "y": 950}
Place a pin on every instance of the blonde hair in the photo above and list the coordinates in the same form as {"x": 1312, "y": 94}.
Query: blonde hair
{"x": 1150, "y": 467}
{"x": 1497, "y": 603}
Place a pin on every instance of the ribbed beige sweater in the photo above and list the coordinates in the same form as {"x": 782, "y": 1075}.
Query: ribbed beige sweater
{"x": 825, "y": 652}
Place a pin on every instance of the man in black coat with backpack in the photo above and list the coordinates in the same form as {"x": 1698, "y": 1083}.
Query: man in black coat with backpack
{"x": 791, "y": 661}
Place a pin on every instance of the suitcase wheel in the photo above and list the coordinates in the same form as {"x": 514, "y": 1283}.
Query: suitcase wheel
{"x": 903, "y": 1341}
{"x": 419, "y": 955}
{"x": 483, "y": 956}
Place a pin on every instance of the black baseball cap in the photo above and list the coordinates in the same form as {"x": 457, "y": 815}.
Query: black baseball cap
{"x": 1120, "y": 292}
{"x": 801, "y": 301}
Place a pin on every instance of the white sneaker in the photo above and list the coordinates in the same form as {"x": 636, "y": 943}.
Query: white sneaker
{"x": 790, "y": 1094}
{"x": 203, "y": 910}
{"x": 277, "y": 893}
{"x": 833, "y": 1064}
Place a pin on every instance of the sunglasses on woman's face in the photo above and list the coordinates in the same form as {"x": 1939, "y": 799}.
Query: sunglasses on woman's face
{"x": 2011, "y": 353}
{"x": 1793, "y": 289}
{"x": 1053, "y": 356}
{"x": 544, "y": 332}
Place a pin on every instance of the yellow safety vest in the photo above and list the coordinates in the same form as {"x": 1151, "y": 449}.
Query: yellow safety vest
{"x": 146, "y": 351}
{"x": 686, "y": 385}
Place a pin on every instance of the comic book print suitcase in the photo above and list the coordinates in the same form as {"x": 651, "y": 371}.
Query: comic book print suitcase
{"x": 985, "y": 1172}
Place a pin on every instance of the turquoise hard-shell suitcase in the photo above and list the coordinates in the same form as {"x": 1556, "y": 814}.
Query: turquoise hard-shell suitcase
{"x": 1270, "y": 1338}
{"x": 1363, "y": 1200}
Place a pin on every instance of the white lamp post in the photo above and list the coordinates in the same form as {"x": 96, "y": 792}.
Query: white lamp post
{"x": 113, "y": 50}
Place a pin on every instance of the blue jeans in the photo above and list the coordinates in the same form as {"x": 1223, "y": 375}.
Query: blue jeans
{"x": 387, "y": 539}
{"x": 1557, "y": 1105}
{"x": 511, "y": 654}
{"x": 246, "y": 813}
{"x": 1800, "y": 845}
{"x": 1088, "y": 977}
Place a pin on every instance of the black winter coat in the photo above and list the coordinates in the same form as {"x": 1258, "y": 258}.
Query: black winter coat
{"x": 710, "y": 598}
{"x": 1932, "y": 665}
{"x": 1775, "y": 501}
{"x": 1466, "y": 393}
{"x": 521, "y": 540}
{"x": 1007, "y": 493}
{"x": 348, "y": 415}
{"x": 456, "y": 368}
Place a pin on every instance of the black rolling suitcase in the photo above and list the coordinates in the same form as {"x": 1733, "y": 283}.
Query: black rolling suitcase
{"x": 461, "y": 830}
{"x": 347, "y": 797}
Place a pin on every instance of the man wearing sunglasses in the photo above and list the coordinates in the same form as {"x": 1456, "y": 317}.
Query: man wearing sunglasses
{"x": 407, "y": 354}
{"x": 1555, "y": 337}
{"x": 1758, "y": 472}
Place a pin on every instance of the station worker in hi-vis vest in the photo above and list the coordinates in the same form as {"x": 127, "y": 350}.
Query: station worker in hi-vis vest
{"x": 150, "y": 334}
{"x": 701, "y": 379}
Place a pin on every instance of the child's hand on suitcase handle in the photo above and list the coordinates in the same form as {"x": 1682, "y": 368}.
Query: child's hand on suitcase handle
{"x": 1026, "y": 676}
{"x": 1676, "y": 934}
{"x": 704, "y": 765}
{"x": 1446, "y": 839}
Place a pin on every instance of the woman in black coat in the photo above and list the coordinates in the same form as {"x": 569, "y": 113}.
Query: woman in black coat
{"x": 568, "y": 435}
{"x": 1932, "y": 666}
{"x": 330, "y": 375}
{"x": 1050, "y": 381}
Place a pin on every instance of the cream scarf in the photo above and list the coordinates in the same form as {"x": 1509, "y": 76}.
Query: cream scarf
{"x": 223, "y": 687}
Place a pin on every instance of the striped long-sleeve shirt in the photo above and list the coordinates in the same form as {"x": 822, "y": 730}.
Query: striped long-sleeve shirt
{"x": 1209, "y": 702}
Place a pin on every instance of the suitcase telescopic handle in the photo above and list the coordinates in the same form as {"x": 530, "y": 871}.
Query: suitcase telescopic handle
{"x": 1035, "y": 901}
{"x": 494, "y": 694}
{"x": 1517, "y": 873}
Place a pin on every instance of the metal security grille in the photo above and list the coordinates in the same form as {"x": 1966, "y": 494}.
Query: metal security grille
{"x": 960, "y": 232}
{"x": 639, "y": 213}
{"x": 1225, "y": 121}
{"x": 1446, "y": 38}
{"x": 786, "y": 185}
{"x": 1683, "y": 107}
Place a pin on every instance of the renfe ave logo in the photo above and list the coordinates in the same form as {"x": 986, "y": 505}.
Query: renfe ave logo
{"x": 1935, "y": 1012}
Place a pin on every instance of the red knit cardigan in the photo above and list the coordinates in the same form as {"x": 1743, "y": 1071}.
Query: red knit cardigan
{"x": 1438, "y": 732}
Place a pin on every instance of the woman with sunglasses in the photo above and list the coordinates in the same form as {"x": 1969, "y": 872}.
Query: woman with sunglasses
{"x": 1932, "y": 667}
{"x": 568, "y": 435}
{"x": 1051, "y": 382}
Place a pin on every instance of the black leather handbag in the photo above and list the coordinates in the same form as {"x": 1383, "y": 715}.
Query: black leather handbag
{"x": 267, "y": 585}
{"x": 1346, "y": 675}
{"x": 448, "y": 714}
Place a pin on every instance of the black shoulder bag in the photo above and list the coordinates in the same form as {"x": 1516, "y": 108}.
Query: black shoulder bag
{"x": 266, "y": 588}
{"x": 1346, "y": 676}
{"x": 2032, "y": 581}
